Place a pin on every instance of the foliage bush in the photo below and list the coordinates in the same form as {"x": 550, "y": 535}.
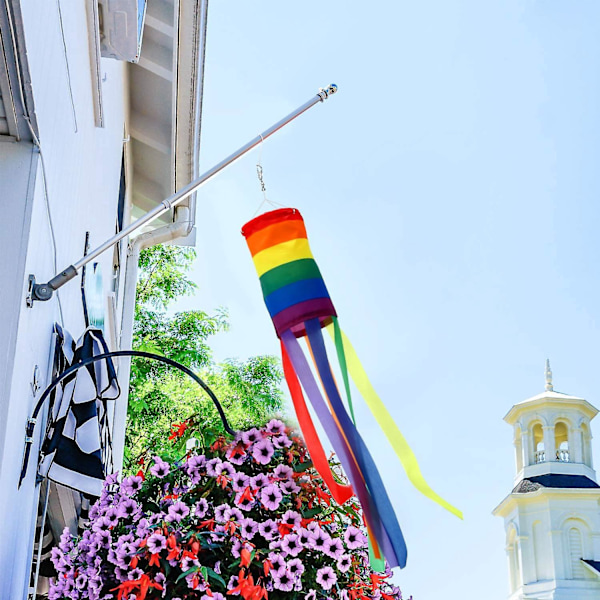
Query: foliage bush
{"x": 159, "y": 395}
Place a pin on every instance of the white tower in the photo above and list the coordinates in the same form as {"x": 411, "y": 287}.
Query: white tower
{"x": 552, "y": 516}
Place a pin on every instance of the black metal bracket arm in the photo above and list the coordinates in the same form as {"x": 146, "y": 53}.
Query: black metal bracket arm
{"x": 30, "y": 426}
{"x": 43, "y": 291}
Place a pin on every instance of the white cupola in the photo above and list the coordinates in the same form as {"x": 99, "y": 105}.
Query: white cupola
{"x": 552, "y": 434}
{"x": 552, "y": 515}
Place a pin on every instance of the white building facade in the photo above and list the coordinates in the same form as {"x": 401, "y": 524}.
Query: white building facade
{"x": 87, "y": 143}
{"x": 552, "y": 515}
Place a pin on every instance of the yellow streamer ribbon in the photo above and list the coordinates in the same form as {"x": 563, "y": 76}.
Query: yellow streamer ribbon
{"x": 383, "y": 417}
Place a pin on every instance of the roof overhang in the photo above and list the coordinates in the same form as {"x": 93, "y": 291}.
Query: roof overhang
{"x": 549, "y": 398}
{"x": 165, "y": 90}
{"x": 541, "y": 494}
{"x": 592, "y": 565}
{"x": 16, "y": 98}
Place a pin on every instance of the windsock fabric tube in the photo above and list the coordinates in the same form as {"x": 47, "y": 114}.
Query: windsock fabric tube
{"x": 300, "y": 306}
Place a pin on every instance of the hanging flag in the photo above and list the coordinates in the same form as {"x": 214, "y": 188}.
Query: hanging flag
{"x": 300, "y": 307}
{"x": 76, "y": 450}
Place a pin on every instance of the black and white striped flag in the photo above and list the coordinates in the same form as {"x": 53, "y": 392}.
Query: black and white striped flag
{"x": 77, "y": 451}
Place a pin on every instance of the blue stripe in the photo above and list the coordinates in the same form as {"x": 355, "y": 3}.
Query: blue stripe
{"x": 361, "y": 453}
{"x": 294, "y": 293}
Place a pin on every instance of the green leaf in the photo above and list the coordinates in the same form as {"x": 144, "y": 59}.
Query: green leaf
{"x": 313, "y": 512}
{"x": 188, "y": 572}
{"x": 301, "y": 467}
{"x": 213, "y": 575}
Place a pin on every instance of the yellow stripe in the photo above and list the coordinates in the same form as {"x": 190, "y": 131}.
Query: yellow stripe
{"x": 393, "y": 434}
{"x": 280, "y": 254}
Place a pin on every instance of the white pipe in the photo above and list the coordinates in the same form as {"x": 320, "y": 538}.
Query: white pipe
{"x": 179, "y": 228}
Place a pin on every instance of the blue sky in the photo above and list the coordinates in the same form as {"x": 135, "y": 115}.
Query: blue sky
{"x": 450, "y": 194}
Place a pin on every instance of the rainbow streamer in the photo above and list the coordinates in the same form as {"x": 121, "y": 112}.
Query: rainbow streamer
{"x": 300, "y": 307}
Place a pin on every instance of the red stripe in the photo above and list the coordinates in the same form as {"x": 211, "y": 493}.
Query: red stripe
{"x": 340, "y": 493}
{"x": 269, "y": 218}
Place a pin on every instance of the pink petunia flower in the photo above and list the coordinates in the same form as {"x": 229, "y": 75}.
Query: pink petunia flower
{"x": 177, "y": 512}
{"x": 277, "y": 562}
{"x": 304, "y": 537}
{"x": 239, "y": 482}
{"x": 283, "y": 580}
{"x": 295, "y": 567}
{"x": 251, "y": 436}
{"x": 259, "y": 481}
{"x": 281, "y": 441}
{"x": 131, "y": 485}
{"x": 200, "y": 508}
{"x": 268, "y": 529}
{"x": 283, "y": 472}
{"x": 334, "y": 548}
{"x": 289, "y": 487}
{"x": 290, "y": 544}
{"x": 263, "y": 452}
{"x": 224, "y": 468}
{"x": 326, "y": 577}
{"x": 249, "y": 528}
{"x": 156, "y": 542}
{"x": 220, "y": 512}
{"x": 291, "y": 517}
{"x": 275, "y": 427}
{"x": 211, "y": 466}
{"x": 271, "y": 497}
{"x": 319, "y": 539}
{"x": 160, "y": 468}
{"x": 344, "y": 562}
{"x": 354, "y": 538}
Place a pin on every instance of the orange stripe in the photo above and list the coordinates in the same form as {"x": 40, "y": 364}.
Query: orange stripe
{"x": 275, "y": 234}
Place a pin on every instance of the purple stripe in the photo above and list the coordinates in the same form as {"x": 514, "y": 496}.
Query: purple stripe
{"x": 298, "y": 313}
{"x": 335, "y": 436}
{"x": 366, "y": 464}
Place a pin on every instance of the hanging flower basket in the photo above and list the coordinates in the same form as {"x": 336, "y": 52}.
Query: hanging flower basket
{"x": 247, "y": 518}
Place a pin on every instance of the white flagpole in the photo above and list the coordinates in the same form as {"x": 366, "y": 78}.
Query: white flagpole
{"x": 44, "y": 291}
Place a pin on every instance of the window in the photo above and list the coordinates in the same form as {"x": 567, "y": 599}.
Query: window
{"x": 539, "y": 452}
{"x": 561, "y": 438}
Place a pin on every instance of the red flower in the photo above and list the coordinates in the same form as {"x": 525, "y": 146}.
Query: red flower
{"x": 172, "y": 546}
{"x": 284, "y": 528}
{"x": 178, "y": 429}
{"x": 246, "y": 557}
{"x": 154, "y": 562}
{"x": 210, "y": 524}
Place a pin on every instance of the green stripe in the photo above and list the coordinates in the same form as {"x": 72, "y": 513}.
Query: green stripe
{"x": 339, "y": 346}
{"x": 296, "y": 270}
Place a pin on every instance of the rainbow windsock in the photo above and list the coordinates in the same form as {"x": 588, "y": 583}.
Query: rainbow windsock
{"x": 300, "y": 307}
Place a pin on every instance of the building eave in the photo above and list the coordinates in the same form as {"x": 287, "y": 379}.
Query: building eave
{"x": 540, "y": 494}
{"x": 17, "y": 114}
{"x": 165, "y": 100}
{"x": 556, "y": 399}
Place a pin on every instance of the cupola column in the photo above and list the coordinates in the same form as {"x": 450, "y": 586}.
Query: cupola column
{"x": 526, "y": 447}
{"x": 576, "y": 445}
{"x": 549, "y": 442}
